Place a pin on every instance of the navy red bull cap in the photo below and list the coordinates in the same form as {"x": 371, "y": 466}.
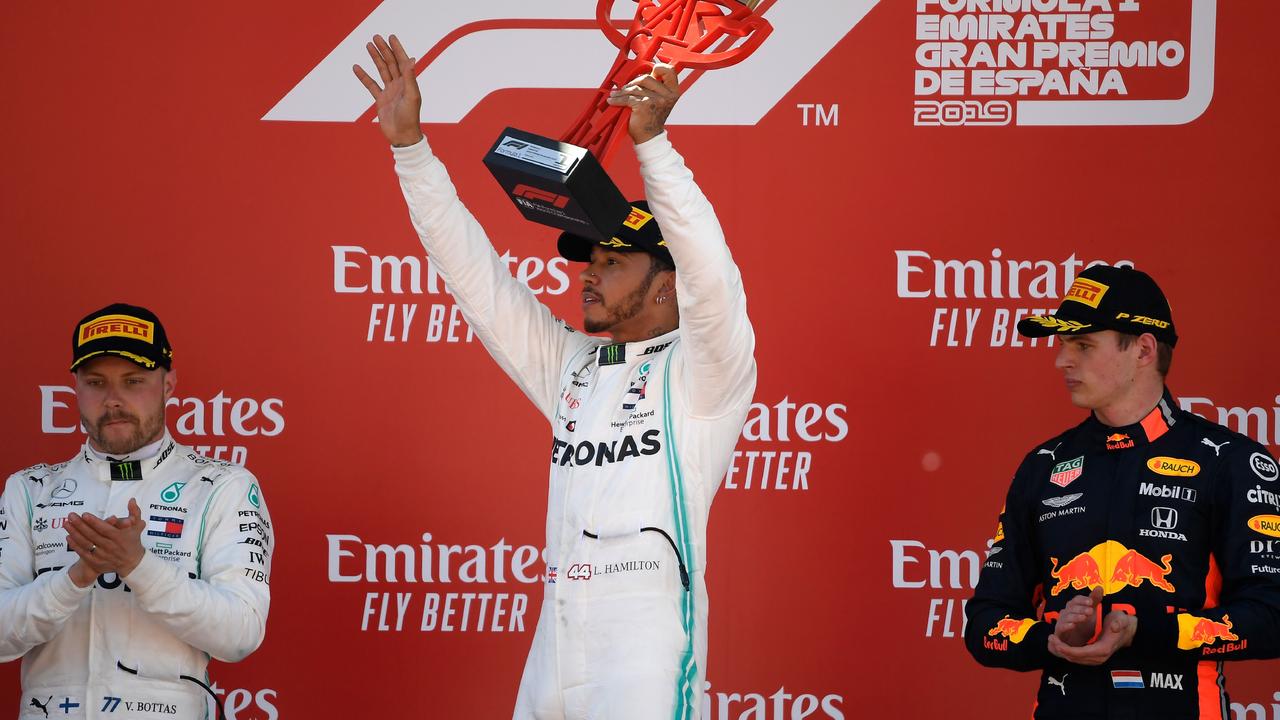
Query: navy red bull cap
{"x": 1108, "y": 298}
{"x": 128, "y": 331}
{"x": 639, "y": 232}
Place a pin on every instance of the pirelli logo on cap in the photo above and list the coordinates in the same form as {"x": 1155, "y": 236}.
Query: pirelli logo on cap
{"x": 637, "y": 219}
{"x": 1086, "y": 291}
{"x": 125, "y": 326}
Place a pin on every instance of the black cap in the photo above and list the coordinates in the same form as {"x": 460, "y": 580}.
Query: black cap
{"x": 639, "y": 232}
{"x": 1108, "y": 298}
{"x": 131, "y": 332}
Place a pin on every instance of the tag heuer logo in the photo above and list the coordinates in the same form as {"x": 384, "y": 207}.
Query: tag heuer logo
{"x": 1065, "y": 472}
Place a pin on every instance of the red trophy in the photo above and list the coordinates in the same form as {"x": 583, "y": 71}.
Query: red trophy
{"x": 562, "y": 183}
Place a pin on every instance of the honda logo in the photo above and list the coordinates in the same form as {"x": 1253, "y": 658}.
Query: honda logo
{"x": 1163, "y": 518}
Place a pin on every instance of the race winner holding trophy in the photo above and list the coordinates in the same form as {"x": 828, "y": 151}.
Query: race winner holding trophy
{"x": 644, "y": 421}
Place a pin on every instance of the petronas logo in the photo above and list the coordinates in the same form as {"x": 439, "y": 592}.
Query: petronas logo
{"x": 253, "y": 496}
{"x": 173, "y": 492}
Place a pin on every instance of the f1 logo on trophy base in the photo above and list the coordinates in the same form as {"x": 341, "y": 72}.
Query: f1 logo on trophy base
{"x": 562, "y": 183}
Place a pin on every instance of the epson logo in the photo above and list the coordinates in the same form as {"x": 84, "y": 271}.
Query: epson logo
{"x": 1168, "y": 492}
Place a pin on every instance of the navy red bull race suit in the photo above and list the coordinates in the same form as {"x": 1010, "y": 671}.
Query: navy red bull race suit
{"x": 1178, "y": 519}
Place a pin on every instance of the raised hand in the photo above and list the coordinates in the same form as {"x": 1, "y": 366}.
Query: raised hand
{"x": 650, "y": 98}
{"x": 398, "y": 101}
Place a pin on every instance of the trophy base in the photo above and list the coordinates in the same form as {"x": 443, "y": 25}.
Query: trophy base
{"x": 557, "y": 184}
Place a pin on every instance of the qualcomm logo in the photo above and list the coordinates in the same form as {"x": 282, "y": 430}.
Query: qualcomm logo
{"x": 468, "y": 50}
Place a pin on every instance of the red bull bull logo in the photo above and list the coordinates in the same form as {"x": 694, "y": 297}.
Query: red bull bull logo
{"x": 1133, "y": 569}
{"x": 1015, "y": 629}
{"x": 1080, "y": 573}
{"x": 1119, "y": 441}
{"x": 1194, "y": 632}
{"x": 1112, "y": 566}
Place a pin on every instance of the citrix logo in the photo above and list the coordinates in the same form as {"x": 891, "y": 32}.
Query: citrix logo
{"x": 467, "y": 51}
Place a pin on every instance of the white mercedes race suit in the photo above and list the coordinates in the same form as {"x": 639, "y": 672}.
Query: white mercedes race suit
{"x": 119, "y": 648}
{"x": 643, "y": 432}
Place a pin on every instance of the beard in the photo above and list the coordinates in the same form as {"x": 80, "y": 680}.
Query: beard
{"x": 625, "y": 309}
{"x": 143, "y": 431}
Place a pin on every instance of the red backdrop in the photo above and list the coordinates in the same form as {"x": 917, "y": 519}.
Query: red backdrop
{"x": 217, "y": 163}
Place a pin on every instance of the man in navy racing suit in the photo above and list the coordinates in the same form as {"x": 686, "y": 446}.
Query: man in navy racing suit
{"x": 1140, "y": 549}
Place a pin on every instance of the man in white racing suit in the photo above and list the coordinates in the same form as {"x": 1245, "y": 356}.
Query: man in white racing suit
{"x": 123, "y": 569}
{"x": 644, "y": 422}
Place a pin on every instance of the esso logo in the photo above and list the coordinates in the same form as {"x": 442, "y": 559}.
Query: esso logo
{"x": 1264, "y": 466}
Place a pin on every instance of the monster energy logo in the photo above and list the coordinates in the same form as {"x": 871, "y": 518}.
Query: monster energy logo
{"x": 129, "y": 470}
{"x": 173, "y": 492}
{"x": 613, "y": 354}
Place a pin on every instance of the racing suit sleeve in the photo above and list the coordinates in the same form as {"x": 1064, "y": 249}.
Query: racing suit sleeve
{"x": 720, "y": 365}
{"x": 32, "y": 609}
{"x": 1241, "y": 618}
{"x": 521, "y": 334}
{"x": 1003, "y": 628}
{"x": 223, "y": 611}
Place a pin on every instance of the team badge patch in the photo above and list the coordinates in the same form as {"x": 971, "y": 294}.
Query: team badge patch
{"x": 169, "y": 527}
{"x": 1064, "y": 473}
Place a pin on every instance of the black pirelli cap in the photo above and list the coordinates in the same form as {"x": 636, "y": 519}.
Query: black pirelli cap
{"x": 1108, "y": 298}
{"x": 128, "y": 331}
{"x": 639, "y": 232}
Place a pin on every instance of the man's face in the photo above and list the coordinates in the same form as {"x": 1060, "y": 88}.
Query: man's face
{"x": 1097, "y": 372}
{"x": 122, "y": 404}
{"x": 617, "y": 292}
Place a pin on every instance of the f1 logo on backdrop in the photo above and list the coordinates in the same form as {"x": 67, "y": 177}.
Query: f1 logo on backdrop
{"x": 1089, "y": 62}
{"x": 472, "y": 49}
